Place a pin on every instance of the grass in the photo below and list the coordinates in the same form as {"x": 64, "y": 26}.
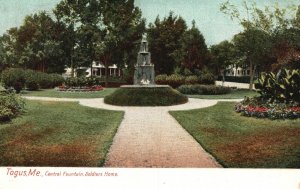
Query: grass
{"x": 146, "y": 96}
{"x": 235, "y": 94}
{"x": 243, "y": 142}
{"x": 60, "y": 134}
{"x": 62, "y": 94}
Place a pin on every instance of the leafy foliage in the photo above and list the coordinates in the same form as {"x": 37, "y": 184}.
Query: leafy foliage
{"x": 193, "y": 52}
{"x": 10, "y": 105}
{"x": 282, "y": 87}
{"x": 163, "y": 42}
{"x": 14, "y": 77}
{"x": 203, "y": 89}
{"x": 18, "y": 79}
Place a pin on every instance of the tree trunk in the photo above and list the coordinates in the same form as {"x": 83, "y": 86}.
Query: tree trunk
{"x": 72, "y": 67}
{"x": 106, "y": 72}
{"x": 252, "y": 71}
{"x": 91, "y": 67}
{"x": 223, "y": 76}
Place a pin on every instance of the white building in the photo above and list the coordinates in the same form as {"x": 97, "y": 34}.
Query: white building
{"x": 98, "y": 70}
{"x": 237, "y": 71}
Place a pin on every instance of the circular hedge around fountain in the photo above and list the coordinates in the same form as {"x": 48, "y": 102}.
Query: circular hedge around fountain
{"x": 155, "y": 95}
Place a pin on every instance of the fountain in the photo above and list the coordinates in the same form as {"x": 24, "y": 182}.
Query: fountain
{"x": 144, "y": 69}
{"x": 144, "y": 91}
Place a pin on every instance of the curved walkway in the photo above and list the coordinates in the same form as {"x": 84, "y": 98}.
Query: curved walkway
{"x": 151, "y": 137}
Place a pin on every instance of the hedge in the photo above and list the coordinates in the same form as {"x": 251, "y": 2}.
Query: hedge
{"x": 176, "y": 80}
{"x": 239, "y": 79}
{"x": 203, "y": 89}
{"x": 18, "y": 79}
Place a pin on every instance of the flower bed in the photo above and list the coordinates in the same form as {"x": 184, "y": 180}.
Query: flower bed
{"x": 80, "y": 89}
{"x": 256, "y": 108}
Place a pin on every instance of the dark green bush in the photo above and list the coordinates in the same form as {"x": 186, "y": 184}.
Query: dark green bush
{"x": 237, "y": 79}
{"x": 190, "y": 89}
{"x": 146, "y": 96}
{"x": 48, "y": 81}
{"x": 204, "y": 89}
{"x": 10, "y": 105}
{"x": 207, "y": 78}
{"x": 56, "y": 80}
{"x": 215, "y": 90}
{"x": 18, "y": 79}
{"x": 13, "y": 77}
{"x": 32, "y": 80}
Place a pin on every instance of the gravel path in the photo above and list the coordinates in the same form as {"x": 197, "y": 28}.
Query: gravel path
{"x": 151, "y": 137}
{"x": 234, "y": 84}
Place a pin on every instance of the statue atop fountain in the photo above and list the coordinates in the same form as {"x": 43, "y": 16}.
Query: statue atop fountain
{"x": 144, "y": 69}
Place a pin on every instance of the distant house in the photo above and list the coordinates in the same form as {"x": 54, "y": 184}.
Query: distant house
{"x": 98, "y": 70}
{"x": 237, "y": 71}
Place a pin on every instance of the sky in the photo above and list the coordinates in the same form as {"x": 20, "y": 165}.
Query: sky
{"x": 214, "y": 25}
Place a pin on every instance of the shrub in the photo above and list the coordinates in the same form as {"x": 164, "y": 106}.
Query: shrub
{"x": 190, "y": 89}
{"x": 48, "y": 81}
{"x": 207, "y": 78}
{"x": 190, "y": 80}
{"x": 204, "y": 89}
{"x": 215, "y": 90}
{"x": 146, "y": 96}
{"x": 237, "y": 79}
{"x": 56, "y": 80}
{"x": 161, "y": 79}
{"x": 15, "y": 78}
{"x": 10, "y": 105}
{"x": 32, "y": 80}
{"x": 175, "y": 80}
{"x": 281, "y": 87}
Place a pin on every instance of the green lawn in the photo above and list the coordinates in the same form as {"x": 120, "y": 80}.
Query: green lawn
{"x": 61, "y": 94}
{"x": 235, "y": 94}
{"x": 58, "y": 134}
{"x": 243, "y": 142}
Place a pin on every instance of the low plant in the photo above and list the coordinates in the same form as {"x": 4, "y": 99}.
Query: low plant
{"x": 204, "y": 89}
{"x": 10, "y": 105}
{"x": 175, "y": 80}
{"x": 281, "y": 87}
{"x": 259, "y": 108}
{"x": 161, "y": 79}
{"x": 191, "y": 80}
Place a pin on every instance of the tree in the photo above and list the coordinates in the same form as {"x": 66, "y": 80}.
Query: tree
{"x": 255, "y": 45}
{"x": 67, "y": 15}
{"x": 34, "y": 44}
{"x": 257, "y": 23}
{"x": 8, "y": 54}
{"x": 106, "y": 30}
{"x": 122, "y": 27}
{"x": 193, "y": 52}
{"x": 222, "y": 56}
{"x": 164, "y": 37}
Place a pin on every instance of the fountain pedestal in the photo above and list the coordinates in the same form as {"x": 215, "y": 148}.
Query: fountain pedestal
{"x": 144, "y": 69}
